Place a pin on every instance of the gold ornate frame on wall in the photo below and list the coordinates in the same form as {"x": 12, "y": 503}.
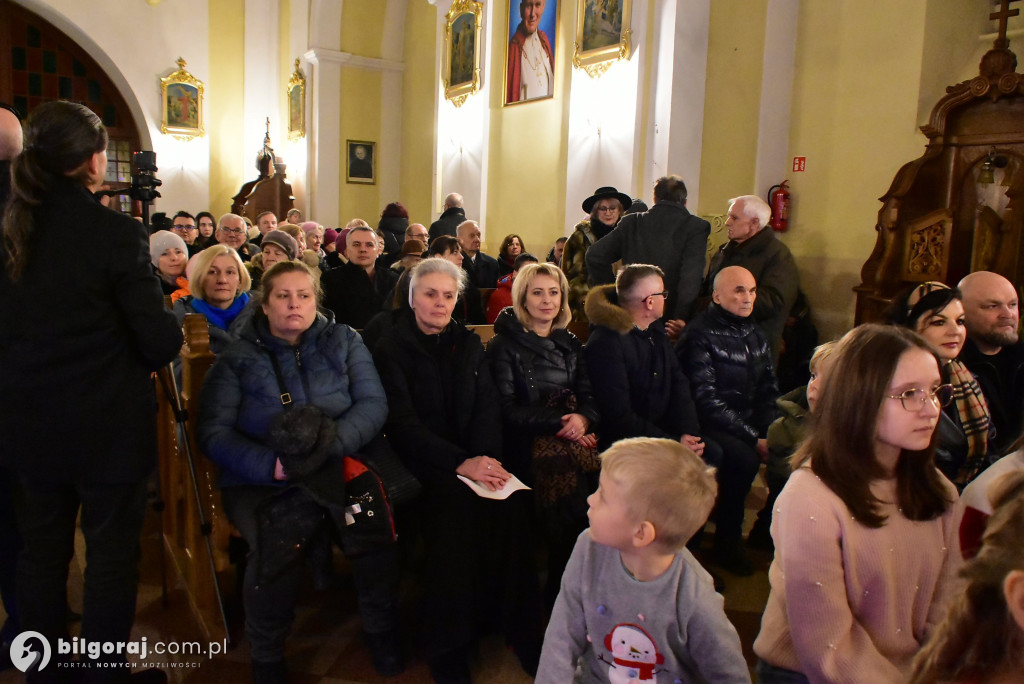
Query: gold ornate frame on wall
{"x": 461, "y": 72}
{"x": 593, "y": 51}
{"x": 297, "y": 103}
{"x": 182, "y": 104}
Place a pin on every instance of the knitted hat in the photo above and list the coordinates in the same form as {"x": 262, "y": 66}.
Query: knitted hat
{"x": 341, "y": 241}
{"x": 284, "y": 241}
{"x": 161, "y": 241}
{"x": 309, "y": 226}
{"x": 330, "y": 235}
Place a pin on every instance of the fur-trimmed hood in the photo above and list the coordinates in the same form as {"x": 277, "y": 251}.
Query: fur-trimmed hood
{"x": 602, "y": 308}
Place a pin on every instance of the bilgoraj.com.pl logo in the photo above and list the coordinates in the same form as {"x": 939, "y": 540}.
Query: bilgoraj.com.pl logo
{"x": 32, "y": 651}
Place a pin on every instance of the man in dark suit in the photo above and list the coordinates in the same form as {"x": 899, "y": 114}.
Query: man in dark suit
{"x": 450, "y": 219}
{"x": 667, "y": 236}
{"x": 482, "y": 269}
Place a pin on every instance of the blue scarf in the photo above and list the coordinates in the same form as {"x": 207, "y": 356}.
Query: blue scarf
{"x": 221, "y": 318}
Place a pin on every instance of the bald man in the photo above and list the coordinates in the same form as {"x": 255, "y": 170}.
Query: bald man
{"x": 728, "y": 360}
{"x": 10, "y": 147}
{"x": 994, "y": 352}
{"x": 450, "y": 218}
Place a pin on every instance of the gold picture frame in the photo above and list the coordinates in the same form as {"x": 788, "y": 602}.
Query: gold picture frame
{"x": 602, "y": 34}
{"x": 182, "y": 97}
{"x": 462, "y": 32}
{"x": 297, "y": 103}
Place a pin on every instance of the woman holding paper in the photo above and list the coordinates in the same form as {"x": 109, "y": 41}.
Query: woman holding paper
{"x": 445, "y": 421}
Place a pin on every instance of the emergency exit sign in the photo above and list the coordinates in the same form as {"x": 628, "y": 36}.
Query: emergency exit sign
{"x": 799, "y": 163}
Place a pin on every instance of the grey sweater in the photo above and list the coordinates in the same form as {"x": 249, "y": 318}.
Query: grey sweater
{"x": 671, "y": 629}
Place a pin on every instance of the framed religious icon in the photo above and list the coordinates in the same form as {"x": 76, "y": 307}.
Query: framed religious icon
{"x": 297, "y": 104}
{"x": 602, "y": 34}
{"x": 182, "y": 95}
{"x": 462, "y": 32}
{"x": 530, "y": 57}
{"x": 361, "y": 162}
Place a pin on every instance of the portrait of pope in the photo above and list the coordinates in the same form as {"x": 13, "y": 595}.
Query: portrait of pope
{"x": 531, "y": 60}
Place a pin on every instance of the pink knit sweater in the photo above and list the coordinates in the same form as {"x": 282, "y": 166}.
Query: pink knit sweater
{"x": 851, "y": 603}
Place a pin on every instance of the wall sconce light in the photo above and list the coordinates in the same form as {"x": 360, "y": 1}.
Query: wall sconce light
{"x": 986, "y": 175}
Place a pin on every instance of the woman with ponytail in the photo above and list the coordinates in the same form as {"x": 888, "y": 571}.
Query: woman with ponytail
{"x": 982, "y": 638}
{"x": 80, "y": 334}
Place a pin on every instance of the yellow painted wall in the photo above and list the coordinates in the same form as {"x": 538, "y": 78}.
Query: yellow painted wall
{"x": 732, "y": 101}
{"x": 418, "y": 91}
{"x": 222, "y": 95}
{"x": 527, "y": 148}
{"x": 362, "y": 25}
{"x": 854, "y": 116}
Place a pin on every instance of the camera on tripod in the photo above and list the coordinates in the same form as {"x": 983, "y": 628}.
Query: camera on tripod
{"x": 144, "y": 184}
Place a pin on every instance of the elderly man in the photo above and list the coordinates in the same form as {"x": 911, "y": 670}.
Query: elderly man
{"x": 450, "y": 218}
{"x": 531, "y": 63}
{"x": 993, "y": 351}
{"x": 417, "y": 231}
{"x": 356, "y": 290}
{"x": 482, "y": 269}
{"x": 668, "y": 236}
{"x": 728, "y": 361}
{"x": 767, "y": 258}
{"x": 231, "y": 232}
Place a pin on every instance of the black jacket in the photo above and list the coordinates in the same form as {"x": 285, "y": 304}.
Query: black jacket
{"x": 443, "y": 405}
{"x": 447, "y": 223}
{"x": 770, "y": 262}
{"x": 729, "y": 364}
{"x": 534, "y": 376}
{"x": 393, "y": 229}
{"x": 79, "y": 338}
{"x": 352, "y": 296}
{"x": 667, "y": 236}
{"x": 637, "y": 382}
{"x": 484, "y": 273}
{"x": 1001, "y": 377}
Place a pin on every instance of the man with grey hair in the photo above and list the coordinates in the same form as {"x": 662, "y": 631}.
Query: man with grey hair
{"x": 768, "y": 260}
{"x": 482, "y": 269}
{"x": 450, "y": 219}
{"x": 994, "y": 352}
{"x": 231, "y": 231}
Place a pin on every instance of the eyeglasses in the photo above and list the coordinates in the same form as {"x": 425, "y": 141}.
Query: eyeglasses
{"x": 236, "y": 231}
{"x": 185, "y": 228}
{"x": 609, "y": 209}
{"x": 655, "y": 294}
{"x": 913, "y": 399}
{"x": 422, "y": 237}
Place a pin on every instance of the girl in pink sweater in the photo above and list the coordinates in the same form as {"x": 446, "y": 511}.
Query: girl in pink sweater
{"x": 864, "y": 531}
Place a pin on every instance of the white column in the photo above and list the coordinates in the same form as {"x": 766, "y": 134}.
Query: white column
{"x": 323, "y": 82}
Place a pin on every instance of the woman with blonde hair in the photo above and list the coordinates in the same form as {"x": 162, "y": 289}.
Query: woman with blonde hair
{"x": 982, "y": 638}
{"x": 865, "y": 532}
{"x": 220, "y": 286}
{"x": 548, "y": 407}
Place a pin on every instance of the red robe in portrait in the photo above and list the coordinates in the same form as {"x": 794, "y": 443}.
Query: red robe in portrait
{"x": 513, "y": 76}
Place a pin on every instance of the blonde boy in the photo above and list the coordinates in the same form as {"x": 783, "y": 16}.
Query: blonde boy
{"x": 634, "y": 603}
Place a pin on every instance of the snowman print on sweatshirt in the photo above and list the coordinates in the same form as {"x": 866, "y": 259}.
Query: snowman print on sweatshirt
{"x": 634, "y": 655}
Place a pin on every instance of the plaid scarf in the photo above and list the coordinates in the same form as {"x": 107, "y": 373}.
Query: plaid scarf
{"x": 974, "y": 419}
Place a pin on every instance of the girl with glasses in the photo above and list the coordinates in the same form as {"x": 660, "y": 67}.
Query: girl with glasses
{"x": 865, "y": 537}
{"x": 934, "y": 311}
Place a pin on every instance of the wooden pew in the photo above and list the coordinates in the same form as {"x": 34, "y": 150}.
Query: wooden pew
{"x": 485, "y": 332}
{"x": 183, "y": 534}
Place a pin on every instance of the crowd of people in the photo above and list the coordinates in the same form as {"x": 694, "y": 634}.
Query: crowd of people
{"x": 610, "y": 455}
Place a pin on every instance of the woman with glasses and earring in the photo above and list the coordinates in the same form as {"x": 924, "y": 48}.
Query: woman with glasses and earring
{"x": 605, "y": 208}
{"x": 865, "y": 535}
{"x": 934, "y": 311}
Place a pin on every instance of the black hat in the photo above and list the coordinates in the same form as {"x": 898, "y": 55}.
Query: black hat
{"x": 607, "y": 192}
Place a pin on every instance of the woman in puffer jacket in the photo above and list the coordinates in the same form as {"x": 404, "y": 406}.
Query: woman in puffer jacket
{"x": 288, "y": 346}
{"x": 548, "y": 408}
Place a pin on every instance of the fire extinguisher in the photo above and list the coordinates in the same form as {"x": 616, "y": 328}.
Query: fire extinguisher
{"x": 778, "y": 197}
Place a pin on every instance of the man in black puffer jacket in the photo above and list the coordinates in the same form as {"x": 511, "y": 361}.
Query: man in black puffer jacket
{"x": 728, "y": 360}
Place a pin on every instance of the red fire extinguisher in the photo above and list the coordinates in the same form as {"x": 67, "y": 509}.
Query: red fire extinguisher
{"x": 778, "y": 197}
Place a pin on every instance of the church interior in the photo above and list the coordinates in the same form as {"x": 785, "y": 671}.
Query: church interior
{"x": 839, "y": 98}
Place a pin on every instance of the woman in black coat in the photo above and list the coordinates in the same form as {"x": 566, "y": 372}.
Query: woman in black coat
{"x": 547, "y": 406}
{"x": 79, "y": 338}
{"x": 444, "y": 420}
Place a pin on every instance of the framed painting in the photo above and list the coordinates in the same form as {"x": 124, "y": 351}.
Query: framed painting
{"x": 602, "y": 34}
{"x": 182, "y": 95}
{"x": 361, "y": 164}
{"x": 297, "y": 104}
{"x": 462, "y": 33}
{"x": 530, "y": 57}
